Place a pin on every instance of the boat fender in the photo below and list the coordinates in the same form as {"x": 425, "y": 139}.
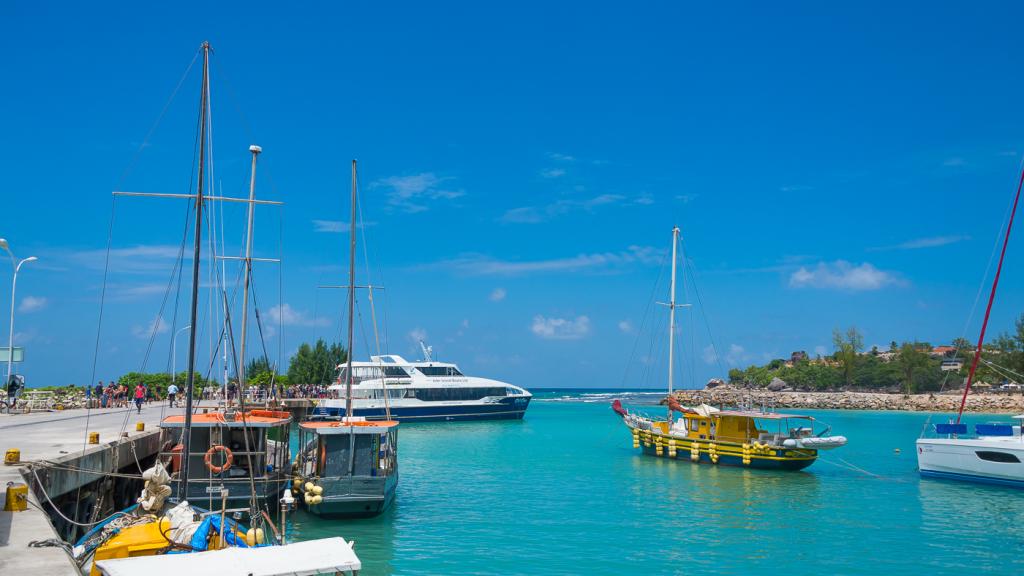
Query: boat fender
{"x": 317, "y": 499}
{"x": 318, "y": 490}
{"x": 254, "y": 536}
{"x": 308, "y": 486}
{"x": 229, "y": 458}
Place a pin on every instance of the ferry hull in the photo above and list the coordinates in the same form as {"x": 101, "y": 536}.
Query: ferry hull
{"x": 358, "y": 497}
{"x": 971, "y": 460}
{"x": 507, "y": 409}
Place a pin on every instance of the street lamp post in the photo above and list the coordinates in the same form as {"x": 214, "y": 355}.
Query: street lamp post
{"x": 174, "y": 353}
{"x": 16, "y": 265}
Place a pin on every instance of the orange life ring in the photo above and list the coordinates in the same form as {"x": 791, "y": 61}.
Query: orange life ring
{"x": 176, "y": 457}
{"x": 228, "y": 458}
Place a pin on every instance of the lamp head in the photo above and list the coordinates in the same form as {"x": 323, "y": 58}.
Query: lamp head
{"x": 3, "y": 243}
{"x": 30, "y": 259}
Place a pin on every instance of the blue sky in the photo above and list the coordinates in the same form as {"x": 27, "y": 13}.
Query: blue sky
{"x": 521, "y": 167}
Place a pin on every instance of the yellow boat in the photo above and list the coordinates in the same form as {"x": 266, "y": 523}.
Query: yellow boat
{"x": 708, "y": 435}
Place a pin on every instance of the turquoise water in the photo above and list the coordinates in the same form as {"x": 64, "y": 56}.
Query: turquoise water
{"x": 563, "y": 492}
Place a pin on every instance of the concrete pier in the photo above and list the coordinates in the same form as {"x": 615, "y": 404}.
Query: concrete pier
{"x": 61, "y": 437}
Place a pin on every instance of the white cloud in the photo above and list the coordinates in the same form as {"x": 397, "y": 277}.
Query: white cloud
{"x": 954, "y": 162}
{"x": 842, "y": 275}
{"x": 140, "y": 259}
{"x": 795, "y": 188}
{"x": 479, "y": 265}
{"x": 289, "y": 316}
{"x": 418, "y": 334}
{"x": 686, "y": 198}
{"x": 157, "y": 326}
{"x": 626, "y": 326}
{"x": 560, "y": 328}
{"x": 32, "y": 304}
{"x": 736, "y": 356}
{"x": 552, "y": 173}
{"x": 498, "y": 294}
{"x": 411, "y": 193}
{"x": 644, "y": 199}
{"x": 561, "y": 157}
{"x": 536, "y": 214}
{"x": 336, "y": 226}
{"x": 929, "y": 242}
{"x": 709, "y": 354}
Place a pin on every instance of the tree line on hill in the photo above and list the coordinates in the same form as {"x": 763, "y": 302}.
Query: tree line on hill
{"x": 907, "y": 367}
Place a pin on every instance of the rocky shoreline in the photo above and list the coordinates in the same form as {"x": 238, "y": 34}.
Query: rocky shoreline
{"x": 929, "y": 402}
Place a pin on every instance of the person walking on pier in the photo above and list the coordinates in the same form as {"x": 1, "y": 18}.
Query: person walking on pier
{"x": 140, "y": 396}
{"x": 172, "y": 395}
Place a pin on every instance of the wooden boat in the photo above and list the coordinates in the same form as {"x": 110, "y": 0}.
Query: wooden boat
{"x": 348, "y": 467}
{"x": 708, "y": 435}
{"x": 244, "y": 453}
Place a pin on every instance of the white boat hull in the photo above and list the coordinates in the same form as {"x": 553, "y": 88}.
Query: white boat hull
{"x": 981, "y": 460}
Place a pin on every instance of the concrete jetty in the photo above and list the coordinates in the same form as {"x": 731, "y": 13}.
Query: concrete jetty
{"x": 61, "y": 437}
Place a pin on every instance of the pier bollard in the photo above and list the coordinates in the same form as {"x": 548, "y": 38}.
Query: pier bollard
{"x": 94, "y": 437}
{"x": 140, "y": 426}
{"x": 17, "y": 497}
{"x": 12, "y": 456}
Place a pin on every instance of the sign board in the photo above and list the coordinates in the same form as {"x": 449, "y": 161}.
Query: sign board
{"x": 19, "y": 354}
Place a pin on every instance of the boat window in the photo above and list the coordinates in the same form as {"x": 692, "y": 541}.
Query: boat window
{"x": 997, "y": 457}
{"x": 395, "y": 372}
{"x": 993, "y": 429}
{"x": 457, "y": 394}
{"x": 439, "y": 371}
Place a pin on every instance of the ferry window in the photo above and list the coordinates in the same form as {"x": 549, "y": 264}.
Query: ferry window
{"x": 395, "y": 372}
{"x": 457, "y": 394}
{"x": 997, "y": 457}
{"x": 439, "y": 371}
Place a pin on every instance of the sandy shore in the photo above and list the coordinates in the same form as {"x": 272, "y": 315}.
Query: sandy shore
{"x": 929, "y": 402}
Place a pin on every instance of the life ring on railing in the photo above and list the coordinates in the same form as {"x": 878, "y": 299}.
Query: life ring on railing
{"x": 228, "y": 458}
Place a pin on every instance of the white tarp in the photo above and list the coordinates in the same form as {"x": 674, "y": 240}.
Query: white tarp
{"x": 323, "y": 556}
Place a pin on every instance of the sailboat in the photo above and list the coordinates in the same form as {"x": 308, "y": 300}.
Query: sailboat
{"x": 163, "y": 533}
{"x": 704, "y": 434}
{"x": 994, "y": 454}
{"x": 348, "y": 466}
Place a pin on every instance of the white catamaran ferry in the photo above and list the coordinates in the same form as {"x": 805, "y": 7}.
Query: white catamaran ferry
{"x": 422, "y": 391}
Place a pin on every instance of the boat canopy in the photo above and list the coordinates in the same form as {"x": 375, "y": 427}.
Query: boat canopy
{"x": 324, "y": 427}
{"x": 252, "y": 419}
{"x": 323, "y": 556}
{"x": 762, "y": 415}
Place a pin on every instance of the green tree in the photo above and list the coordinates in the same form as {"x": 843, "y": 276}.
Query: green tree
{"x": 316, "y": 364}
{"x": 847, "y": 347}
{"x": 912, "y": 360}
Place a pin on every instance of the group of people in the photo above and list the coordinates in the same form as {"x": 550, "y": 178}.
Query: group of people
{"x": 121, "y": 395}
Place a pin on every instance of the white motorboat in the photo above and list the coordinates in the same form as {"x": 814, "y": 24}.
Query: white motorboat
{"x": 995, "y": 455}
{"x": 421, "y": 391}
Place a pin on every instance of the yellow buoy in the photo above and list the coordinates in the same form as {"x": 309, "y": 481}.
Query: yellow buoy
{"x": 309, "y": 486}
{"x": 12, "y": 456}
{"x": 254, "y": 536}
{"x": 671, "y": 447}
{"x": 317, "y": 499}
{"x": 318, "y": 490}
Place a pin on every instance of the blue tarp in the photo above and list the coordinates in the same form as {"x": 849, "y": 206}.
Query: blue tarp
{"x": 201, "y": 537}
{"x": 994, "y": 429}
{"x": 951, "y": 428}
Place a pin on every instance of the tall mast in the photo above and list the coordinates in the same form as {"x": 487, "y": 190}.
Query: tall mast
{"x": 672, "y": 315}
{"x": 248, "y": 269}
{"x": 190, "y": 379}
{"x": 991, "y": 298}
{"x": 351, "y": 296}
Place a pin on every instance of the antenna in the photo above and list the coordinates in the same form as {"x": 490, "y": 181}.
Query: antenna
{"x": 428, "y": 352}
